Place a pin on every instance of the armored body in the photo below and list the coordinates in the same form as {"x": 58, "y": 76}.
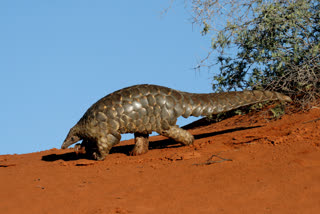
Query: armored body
{"x": 142, "y": 109}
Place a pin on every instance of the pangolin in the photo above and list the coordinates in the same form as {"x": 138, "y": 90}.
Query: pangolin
{"x": 142, "y": 109}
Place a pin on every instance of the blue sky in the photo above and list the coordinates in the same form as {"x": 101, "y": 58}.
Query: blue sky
{"x": 59, "y": 57}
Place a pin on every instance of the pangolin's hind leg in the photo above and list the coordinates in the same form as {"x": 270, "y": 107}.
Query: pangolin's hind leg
{"x": 178, "y": 134}
{"x": 104, "y": 145}
{"x": 141, "y": 144}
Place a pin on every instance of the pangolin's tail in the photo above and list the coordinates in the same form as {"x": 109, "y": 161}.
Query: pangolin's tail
{"x": 208, "y": 104}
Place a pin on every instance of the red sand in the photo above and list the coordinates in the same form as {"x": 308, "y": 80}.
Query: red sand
{"x": 274, "y": 168}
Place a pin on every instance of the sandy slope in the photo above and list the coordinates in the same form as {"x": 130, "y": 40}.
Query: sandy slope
{"x": 274, "y": 168}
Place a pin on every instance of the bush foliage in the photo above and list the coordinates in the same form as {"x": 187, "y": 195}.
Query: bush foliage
{"x": 263, "y": 45}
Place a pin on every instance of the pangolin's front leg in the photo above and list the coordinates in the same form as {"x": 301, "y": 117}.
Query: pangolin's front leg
{"x": 104, "y": 145}
{"x": 85, "y": 147}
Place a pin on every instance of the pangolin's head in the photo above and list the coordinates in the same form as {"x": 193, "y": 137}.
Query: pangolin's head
{"x": 72, "y": 137}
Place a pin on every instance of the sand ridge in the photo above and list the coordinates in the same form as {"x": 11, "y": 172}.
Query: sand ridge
{"x": 244, "y": 164}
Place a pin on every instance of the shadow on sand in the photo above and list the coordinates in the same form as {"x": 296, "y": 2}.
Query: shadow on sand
{"x": 161, "y": 144}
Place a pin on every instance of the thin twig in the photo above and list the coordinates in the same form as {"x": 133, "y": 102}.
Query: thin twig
{"x": 165, "y": 11}
{"x": 210, "y": 161}
{"x": 310, "y": 121}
